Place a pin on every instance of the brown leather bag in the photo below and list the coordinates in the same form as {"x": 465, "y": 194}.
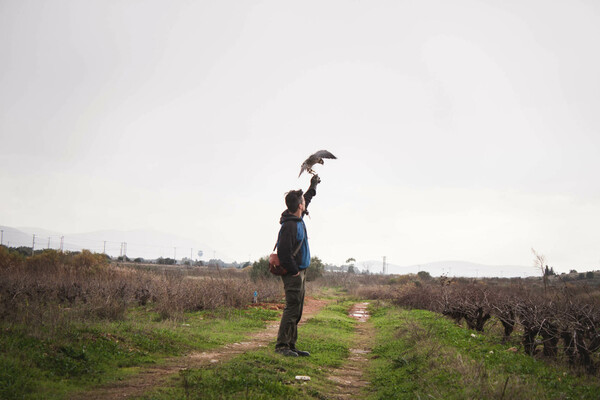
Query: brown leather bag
{"x": 275, "y": 265}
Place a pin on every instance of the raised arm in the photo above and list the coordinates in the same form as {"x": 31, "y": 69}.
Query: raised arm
{"x": 312, "y": 191}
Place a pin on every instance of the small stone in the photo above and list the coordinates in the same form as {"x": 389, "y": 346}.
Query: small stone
{"x": 302, "y": 378}
{"x": 473, "y": 335}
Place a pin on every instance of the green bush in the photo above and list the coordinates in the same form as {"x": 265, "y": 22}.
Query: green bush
{"x": 424, "y": 275}
{"x": 166, "y": 261}
{"x": 260, "y": 269}
{"x": 315, "y": 269}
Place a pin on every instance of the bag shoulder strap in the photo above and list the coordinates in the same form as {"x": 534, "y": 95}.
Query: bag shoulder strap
{"x": 298, "y": 248}
{"x": 278, "y": 236}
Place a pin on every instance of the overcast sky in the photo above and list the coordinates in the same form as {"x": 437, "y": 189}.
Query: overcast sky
{"x": 464, "y": 130}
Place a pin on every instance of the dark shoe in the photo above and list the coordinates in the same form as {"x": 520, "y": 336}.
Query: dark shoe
{"x": 301, "y": 353}
{"x": 286, "y": 352}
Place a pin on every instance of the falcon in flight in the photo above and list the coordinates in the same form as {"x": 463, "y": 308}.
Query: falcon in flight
{"x": 316, "y": 158}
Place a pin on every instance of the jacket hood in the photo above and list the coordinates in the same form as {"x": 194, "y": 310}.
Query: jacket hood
{"x": 288, "y": 216}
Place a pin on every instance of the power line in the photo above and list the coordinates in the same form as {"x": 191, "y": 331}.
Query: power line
{"x": 109, "y": 247}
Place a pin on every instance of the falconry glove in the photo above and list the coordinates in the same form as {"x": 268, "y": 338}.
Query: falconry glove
{"x": 314, "y": 181}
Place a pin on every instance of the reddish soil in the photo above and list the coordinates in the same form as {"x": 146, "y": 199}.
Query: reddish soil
{"x": 157, "y": 375}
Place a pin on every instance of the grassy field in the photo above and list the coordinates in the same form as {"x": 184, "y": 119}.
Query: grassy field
{"x": 50, "y": 364}
{"x": 420, "y": 354}
{"x": 76, "y": 326}
{"x": 417, "y": 354}
{"x": 264, "y": 374}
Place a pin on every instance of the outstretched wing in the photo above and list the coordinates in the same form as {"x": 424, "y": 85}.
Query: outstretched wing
{"x": 323, "y": 154}
{"x": 313, "y": 159}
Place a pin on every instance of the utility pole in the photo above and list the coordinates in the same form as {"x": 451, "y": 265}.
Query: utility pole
{"x": 62, "y": 242}
{"x": 48, "y": 242}
{"x": 33, "y": 244}
{"x": 104, "y": 251}
{"x": 124, "y": 251}
{"x": 1, "y": 237}
{"x": 384, "y": 266}
{"x": 175, "y": 254}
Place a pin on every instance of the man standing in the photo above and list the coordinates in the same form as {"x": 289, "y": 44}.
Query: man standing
{"x": 294, "y": 256}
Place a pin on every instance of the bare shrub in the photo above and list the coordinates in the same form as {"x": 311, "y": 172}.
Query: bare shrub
{"x": 342, "y": 280}
{"x": 545, "y": 317}
{"x": 375, "y": 292}
{"x": 55, "y": 286}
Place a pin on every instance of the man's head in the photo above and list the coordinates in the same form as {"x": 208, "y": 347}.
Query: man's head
{"x": 294, "y": 199}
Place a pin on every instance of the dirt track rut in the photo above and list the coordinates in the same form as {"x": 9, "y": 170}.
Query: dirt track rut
{"x": 350, "y": 377}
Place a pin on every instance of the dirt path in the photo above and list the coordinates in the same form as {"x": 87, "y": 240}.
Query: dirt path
{"x": 349, "y": 378}
{"x": 157, "y": 375}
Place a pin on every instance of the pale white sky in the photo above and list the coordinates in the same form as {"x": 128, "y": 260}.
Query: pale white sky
{"x": 465, "y": 130}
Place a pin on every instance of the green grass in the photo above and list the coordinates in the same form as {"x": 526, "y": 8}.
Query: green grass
{"x": 264, "y": 374}
{"x": 79, "y": 354}
{"x": 421, "y": 354}
{"x": 417, "y": 354}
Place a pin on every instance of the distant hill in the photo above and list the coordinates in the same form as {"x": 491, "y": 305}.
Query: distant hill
{"x": 143, "y": 243}
{"x": 150, "y": 244}
{"x": 13, "y": 237}
{"x": 452, "y": 268}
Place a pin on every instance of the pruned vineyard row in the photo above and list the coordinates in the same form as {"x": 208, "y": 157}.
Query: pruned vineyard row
{"x": 561, "y": 322}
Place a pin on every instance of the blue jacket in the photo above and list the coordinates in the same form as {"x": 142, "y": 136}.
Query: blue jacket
{"x": 291, "y": 234}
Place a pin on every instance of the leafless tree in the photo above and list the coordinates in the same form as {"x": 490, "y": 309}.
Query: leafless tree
{"x": 539, "y": 261}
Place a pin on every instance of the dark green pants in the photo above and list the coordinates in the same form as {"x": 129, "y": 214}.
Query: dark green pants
{"x": 294, "y": 302}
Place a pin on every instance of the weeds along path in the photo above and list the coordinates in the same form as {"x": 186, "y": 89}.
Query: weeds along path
{"x": 349, "y": 378}
{"x": 157, "y": 375}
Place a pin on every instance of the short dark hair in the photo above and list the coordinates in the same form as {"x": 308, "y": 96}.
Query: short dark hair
{"x": 293, "y": 199}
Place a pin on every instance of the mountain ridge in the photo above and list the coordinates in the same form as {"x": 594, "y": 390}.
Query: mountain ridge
{"x": 452, "y": 268}
{"x": 152, "y": 244}
{"x": 145, "y": 243}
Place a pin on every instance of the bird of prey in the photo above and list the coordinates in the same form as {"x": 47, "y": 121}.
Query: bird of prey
{"x": 316, "y": 158}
